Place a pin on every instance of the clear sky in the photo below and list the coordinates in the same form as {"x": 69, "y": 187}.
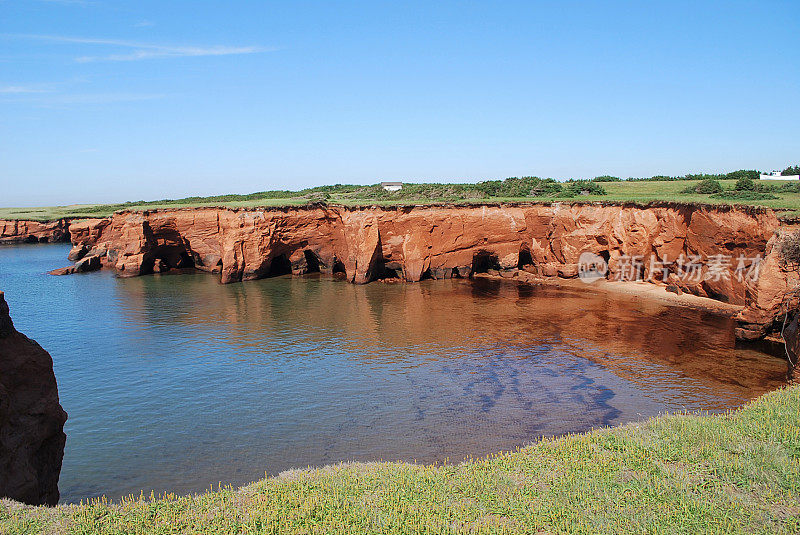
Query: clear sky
{"x": 104, "y": 100}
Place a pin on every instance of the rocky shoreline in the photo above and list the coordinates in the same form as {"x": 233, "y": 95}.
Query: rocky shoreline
{"x": 411, "y": 243}
{"x": 21, "y": 231}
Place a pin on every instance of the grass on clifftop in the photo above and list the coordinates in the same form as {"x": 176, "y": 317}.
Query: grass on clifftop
{"x": 347, "y": 195}
{"x": 733, "y": 473}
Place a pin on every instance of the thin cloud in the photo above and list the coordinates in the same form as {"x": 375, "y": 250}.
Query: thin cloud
{"x": 100, "y": 98}
{"x": 173, "y": 52}
{"x": 79, "y": 99}
{"x": 144, "y": 24}
{"x": 67, "y": 2}
{"x": 142, "y": 51}
{"x": 21, "y": 90}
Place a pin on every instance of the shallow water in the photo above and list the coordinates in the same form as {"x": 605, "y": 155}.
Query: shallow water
{"x": 175, "y": 382}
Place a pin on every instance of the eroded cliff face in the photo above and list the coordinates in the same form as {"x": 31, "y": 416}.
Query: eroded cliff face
{"x": 31, "y": 418}
{"x": 415, "y": 242}
{"x": 15, "y": 231}
{"x": 764, "y": 296}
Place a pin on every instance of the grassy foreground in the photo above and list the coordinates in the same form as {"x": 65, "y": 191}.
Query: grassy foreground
{"x": 733, "y": 473}
{"x": 785, "y": 202}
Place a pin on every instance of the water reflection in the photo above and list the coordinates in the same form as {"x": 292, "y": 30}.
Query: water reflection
{"x": 176, "y": 382}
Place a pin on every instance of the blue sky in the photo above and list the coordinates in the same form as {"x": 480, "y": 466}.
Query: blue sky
{"x": 110, "y": 101}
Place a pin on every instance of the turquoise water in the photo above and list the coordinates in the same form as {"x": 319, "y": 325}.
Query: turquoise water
{"x": 176, "y": 383}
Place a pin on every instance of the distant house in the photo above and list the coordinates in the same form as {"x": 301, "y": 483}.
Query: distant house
{"x": 392, "y": 186}
{"x": 776, "y": 175}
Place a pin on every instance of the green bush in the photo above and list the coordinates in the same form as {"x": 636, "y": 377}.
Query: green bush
{"x": 742, "y": 173}
{"x": 789, "y": 247}
{"x": 765, "y": 187}
{"x": 663, "y": 178}
{"x": 744, "y": 195}
{"x": 527, "y": 186}
{"x": 791, "y": 187}
{"x": 745, "y": 184}
{"x": 577, "y": 187}
{"x": 709, "y": 185}
{"x": 703, "y": 176}
{"x": 606, "y": 178}
{"x": 519, "y": 187}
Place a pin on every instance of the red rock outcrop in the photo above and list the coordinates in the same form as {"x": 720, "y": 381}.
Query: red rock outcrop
{"x": 31, "y": 418}
{"x": 16, "y": 231}
{"x": 86, "y": 232}
{"x": 765, "y": 295}
{"x": 415, "y": 242}
{"x": 421, "y": 241}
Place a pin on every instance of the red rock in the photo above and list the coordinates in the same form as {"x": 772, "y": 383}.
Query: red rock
{"x": 31, "y": 418}
{"x": 19, "y": 231}
{"x": 87, "y": 231}
{"x": 764, "y": 296}
{"x": 77, "y": 252}
{"x": 674, "y": 288}
{"x": 568, "y": 271}
{"x": 791, "y": 335}
{"x": 88, "y": 263}
{"x": 69, "y": 270}
{"x": 413, "y": 241}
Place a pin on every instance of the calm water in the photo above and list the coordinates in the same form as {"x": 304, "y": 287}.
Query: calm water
{"x": 175, "y": 382}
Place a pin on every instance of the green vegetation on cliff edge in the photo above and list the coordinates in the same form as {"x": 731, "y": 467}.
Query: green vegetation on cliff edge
{"x": 783, "y": 196}
{"x": 732, "y": 473}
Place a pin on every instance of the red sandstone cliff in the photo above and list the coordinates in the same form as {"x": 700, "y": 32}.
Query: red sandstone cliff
{"x": 419, "y": 241}
{"x": 15, "y": 231}
{"x": 414, "y": 242}
{"x": 31, "y": 418}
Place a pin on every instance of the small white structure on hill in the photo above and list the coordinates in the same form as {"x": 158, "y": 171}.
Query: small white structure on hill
{"x": 776, "y": 175}
{"x": 392, "y": 186}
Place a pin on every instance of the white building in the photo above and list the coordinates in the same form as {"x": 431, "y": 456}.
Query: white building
{"x": 776, "y": 175}
{"x": 392, "y": 186}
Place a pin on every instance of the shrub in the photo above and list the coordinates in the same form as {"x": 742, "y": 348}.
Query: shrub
{"x": 742, "y": 173}
{"x": 765, "y": 187}
{"x": 789, "y": 247}
{"x": 703, "y": 176}
{"x": 792, "y": 187}
{"x": 745, "y": 184}
{"x": 577, "y": 187}
{"x": 744, "y": 195}
{"x": 606, "y": 178}
{"x": 527, "y": 186}
{"x": 706, "y": 186}
{"x": 547, "y": 186}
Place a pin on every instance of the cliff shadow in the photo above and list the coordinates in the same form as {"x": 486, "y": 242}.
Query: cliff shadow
{"x": 280, "y": 265}
{"x": 312, "y": 261}
{"x": 525, "y": 259}
{"x": 483, "y": 261}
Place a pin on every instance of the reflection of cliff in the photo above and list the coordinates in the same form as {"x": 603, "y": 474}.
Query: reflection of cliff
{"x": 396, "y": 324}
{"x": 31, "y": 418}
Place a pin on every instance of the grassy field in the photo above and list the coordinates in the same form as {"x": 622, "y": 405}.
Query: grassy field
{"x": 787, "y": 203}
{"x": 732, "y": 473}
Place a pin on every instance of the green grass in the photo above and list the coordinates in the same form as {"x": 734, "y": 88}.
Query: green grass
{"x": 787, "y": 203}
{"x": 732, "y": 473}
